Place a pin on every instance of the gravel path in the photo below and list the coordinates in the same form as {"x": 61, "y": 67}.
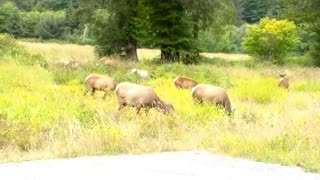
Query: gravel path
{"x": 171, "y": 165}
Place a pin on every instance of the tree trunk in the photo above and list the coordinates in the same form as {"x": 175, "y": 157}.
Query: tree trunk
{"x": 196, "y": 31}
{"x": 169, "y": 56}
{"x": 131, "y": 51}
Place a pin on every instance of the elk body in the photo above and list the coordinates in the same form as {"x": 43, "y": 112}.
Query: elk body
{"x": 99, "y": 82}
{"x": 141, "y": 73}
{"x": 184, "y": 83}
{"x": 212, "y": 94}
{"x": 283, "y": 81}
{"x": 138, "y": 96}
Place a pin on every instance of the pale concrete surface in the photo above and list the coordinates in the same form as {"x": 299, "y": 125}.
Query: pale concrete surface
{"x": 171, "y": 165}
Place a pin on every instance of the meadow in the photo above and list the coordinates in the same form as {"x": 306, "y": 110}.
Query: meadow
{"x": 44, "y": 114}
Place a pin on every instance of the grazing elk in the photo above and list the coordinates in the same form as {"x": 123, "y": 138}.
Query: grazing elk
{"x": 139, "y": 96}
{"x": 184, "y": 83}
{"x": 212, "y": 94}
{"x": 99, "y": 82}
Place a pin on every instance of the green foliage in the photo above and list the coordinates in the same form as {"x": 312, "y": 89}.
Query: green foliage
{"x": 51, "y": 25}
{"x": 305, "y": 39}
{"x": 271, "y": 39}
{"x": 254, "y": 10}
{"x": 8, "y": 44}
{"x": 11, "y": 51}
{"x": 10, "y": 19}
{"x": 51, "y": 5}
{"x": 24, "y": 5}
{"x": 228, "y": 39}
{"x": 113, "y": 27}
{"x": 172, "y": 32}
{"x": 30, "y": 21}
{"x": 306, "y": 15}
{"x": 41, "y": 19}
{"x": 314, "y": 53}
{"x": 106, "y": 32}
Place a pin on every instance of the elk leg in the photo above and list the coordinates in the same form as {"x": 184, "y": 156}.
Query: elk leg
{"x": 121, "y": 106}
{"x": 86, "y": 91}
{"x": 93, "y": 90}
{"x": 146, "y": 111}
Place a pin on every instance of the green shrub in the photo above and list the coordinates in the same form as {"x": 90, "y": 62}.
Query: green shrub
{"x": 30, "y": 21}
{"x": 51, "y": 25}
{"x": 271, "y": 39}
{"x": 11, "y": 51}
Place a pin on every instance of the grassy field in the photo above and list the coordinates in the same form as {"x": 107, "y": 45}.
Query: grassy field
{"x": 43, "y": 113}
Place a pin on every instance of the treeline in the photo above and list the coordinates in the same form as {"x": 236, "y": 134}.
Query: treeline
{"x": 180, "y": 28}
{"x": 41, "y": 19}
{"x": 65, "y": 20}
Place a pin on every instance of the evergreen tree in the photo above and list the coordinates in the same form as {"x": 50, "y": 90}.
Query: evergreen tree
{"x": 171, "y": 29}
{"x": 112, "y": 25}
{"x": 254, "y": 10}
{"x": 306, "y": 14}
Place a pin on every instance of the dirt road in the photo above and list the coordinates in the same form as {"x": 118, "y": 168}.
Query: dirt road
{"x": 172, "y": 165}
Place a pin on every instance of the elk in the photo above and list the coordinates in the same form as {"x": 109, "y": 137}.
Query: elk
{"x": 139, "y": 96}
{"x": 99, "y": 82}
{"x": 184, "y": 83}
{"x": 212, "y": 94}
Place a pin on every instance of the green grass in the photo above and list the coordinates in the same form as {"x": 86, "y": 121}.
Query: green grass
{"x": 43, "y": 114}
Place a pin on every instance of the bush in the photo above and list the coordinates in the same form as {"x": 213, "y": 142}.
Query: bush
{"x": 8, "y": 44}
{"x": 271, "y": 39}
{"x": 51, "y": 25}
{"x": 11, "y": 51}
{"x": 30, "y": 21}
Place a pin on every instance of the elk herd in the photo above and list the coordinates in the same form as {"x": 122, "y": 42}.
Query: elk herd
{"x": 141, "y": 96}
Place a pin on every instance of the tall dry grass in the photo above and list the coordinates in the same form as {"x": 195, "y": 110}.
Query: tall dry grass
{"x": 55, "y": 52}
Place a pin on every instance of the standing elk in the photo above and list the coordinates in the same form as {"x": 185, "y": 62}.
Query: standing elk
{"x": 283, "y": 81}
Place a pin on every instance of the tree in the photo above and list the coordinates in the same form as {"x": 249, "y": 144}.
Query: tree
{"x": 254, "y": 10}
{"x": 73, "y": 20}
{"x": 30, "y": 21}
{"x": 306, "y": 14}
{"x": 10, "y": 19}
{"x": 52, "y": 5}
{"x": 51, "y": 25}
{"x": 171, "y": 29}
{"x": 204, "y": 13}
{"x": 271, "y": 39}
{"x": 25, "y": 5}
{"x": 112, "y": 26}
